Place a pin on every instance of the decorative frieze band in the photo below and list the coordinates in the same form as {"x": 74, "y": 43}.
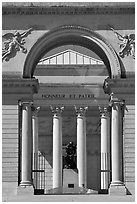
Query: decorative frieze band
{"x": 66, "y": 10}
{"x": 16, "y": 85}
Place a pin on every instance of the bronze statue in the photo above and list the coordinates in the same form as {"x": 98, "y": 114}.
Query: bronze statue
{"x": 70, "y": 157}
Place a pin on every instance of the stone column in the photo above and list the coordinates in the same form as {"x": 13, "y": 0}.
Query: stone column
{"x": 35, "y": 111}
{"x": 57, "y": 147}
{"x": 105, "y": 148}
{"x": 26, "y": 144}
{"x": 81, "y": 146}
{"x": 117, "y": 186}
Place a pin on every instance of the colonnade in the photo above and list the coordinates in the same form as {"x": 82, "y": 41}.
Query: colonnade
{"x": 57, "y": 146}
{"x": 109, "y": 145}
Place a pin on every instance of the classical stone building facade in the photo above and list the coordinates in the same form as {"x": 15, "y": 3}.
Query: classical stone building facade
{"x": 68, "y": 98}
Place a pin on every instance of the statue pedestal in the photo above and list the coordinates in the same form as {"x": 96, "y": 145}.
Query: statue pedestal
{"x": 70, "y": 181}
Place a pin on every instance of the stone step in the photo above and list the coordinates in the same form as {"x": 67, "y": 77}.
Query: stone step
{"x": 75, "y": 190}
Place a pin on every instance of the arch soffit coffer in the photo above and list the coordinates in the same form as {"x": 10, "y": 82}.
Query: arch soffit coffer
{"x": 72, "y": 34}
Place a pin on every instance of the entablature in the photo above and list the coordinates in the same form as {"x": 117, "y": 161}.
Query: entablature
{"x": 19, "y": 85}
{"x": 120, "y": 83}
{"x": 123, "y": 89}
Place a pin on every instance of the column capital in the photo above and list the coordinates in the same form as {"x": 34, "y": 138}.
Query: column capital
{"x": 21, "y": 103}
{"x": 115, "y": 101}
{"x": 35, "y": 110}
{"x": 81, "y": 111}
{"x": 57, "y": 110}
{"x": 104, "y": 111}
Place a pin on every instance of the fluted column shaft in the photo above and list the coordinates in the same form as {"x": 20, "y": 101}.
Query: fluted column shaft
{"x": 57, "y": 146}
{"x": 81, "y": 147}
{"x": 26, "y": 151}
{"x": 35, "y": 136}
{"x": 116, "y": 143}
{"x": 105, "y": 148}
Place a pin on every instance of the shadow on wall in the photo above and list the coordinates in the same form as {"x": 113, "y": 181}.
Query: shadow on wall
{"x": 93, "y": 147}
{"x": 93, "y": 162}
{"x": 45, "y": 149}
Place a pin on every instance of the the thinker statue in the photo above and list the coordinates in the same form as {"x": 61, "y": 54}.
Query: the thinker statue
{"x": 127, "y": 47}
{"x": 70, "y": 157}
{"x": 13, "y": 42}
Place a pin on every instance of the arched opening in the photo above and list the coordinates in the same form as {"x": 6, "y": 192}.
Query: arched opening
{"x": 67, "y": 65}
{"x": 86, "y": 93}
{"x": 73, "y": 35}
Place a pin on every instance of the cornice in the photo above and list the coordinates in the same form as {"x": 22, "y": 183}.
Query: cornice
{"x": 127, "y": 82}
{"x": 13, "y": 83}
{"x": 66, "y": 10}
{"x": 121, "y": 87}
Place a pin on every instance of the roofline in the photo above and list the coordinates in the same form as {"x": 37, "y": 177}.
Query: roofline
{"x": 69, "y": 50}
{"x": 68, "y": 8}
{"x": 69, "y": 4}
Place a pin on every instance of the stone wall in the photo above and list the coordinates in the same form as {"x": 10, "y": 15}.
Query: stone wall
{"x": 129, "y": 146}
{"x": 10, "y": 143}
{"x": 123, "y": 23}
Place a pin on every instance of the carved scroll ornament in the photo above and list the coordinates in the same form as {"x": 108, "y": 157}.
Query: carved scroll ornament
{"x": 14, "y": 42}
{"x": 127, "y": 45}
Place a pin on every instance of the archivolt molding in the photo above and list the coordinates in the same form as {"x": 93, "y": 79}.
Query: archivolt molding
{"x": 72, "y": 34}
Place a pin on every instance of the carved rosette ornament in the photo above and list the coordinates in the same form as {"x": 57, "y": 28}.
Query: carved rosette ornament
{"x": 14, "y": 42}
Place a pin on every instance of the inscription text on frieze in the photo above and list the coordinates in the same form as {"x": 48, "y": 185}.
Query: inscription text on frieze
{"x": 67, "y": 96}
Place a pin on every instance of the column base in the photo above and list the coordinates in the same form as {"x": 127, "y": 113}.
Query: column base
{"x": 117, "y": 188}
{"x": 22, "y": 189}
{"x": 26, "y": 183}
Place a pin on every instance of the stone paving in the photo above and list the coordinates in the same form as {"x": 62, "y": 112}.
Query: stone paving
{"x": 69, "y": 198}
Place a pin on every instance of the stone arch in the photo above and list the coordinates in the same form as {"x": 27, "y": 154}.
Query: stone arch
{"x": 71, "y": 34}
